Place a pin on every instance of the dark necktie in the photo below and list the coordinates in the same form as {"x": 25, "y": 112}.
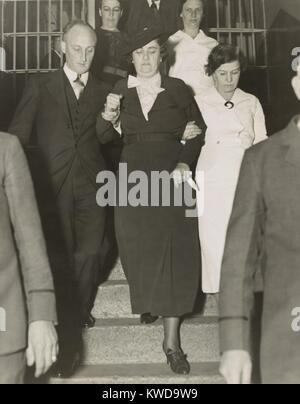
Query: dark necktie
{"x": 154, "y": 8}
{"x": 78, "y": 87}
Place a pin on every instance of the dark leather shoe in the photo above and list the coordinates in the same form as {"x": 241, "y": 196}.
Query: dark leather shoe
{"x": 66, "y": 368}
{"x": 147, "y": 318}
{"x": 88, "y": 322}
{"x": 178, "y": 362}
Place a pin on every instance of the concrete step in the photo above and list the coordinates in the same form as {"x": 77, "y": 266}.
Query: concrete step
{"x": 113, "y": 301}
{"x": 117, "y": 273}
{"x": 201, "y": 373}
{"x": 114, "y": 341}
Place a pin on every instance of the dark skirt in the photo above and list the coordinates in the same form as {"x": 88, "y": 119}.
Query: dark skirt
{"x": 159, "y": 246}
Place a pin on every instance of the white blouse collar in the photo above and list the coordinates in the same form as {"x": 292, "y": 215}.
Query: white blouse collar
{"x": 154, "y": 81}
{"x": 214, "y": 97}
{"x": 201, "y": 38}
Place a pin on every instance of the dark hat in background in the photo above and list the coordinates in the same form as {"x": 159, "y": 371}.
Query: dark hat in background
{"x": 142, "y": 38}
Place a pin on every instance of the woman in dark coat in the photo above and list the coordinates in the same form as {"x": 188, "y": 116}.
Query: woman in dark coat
{"x": 158, "y": 245}
{"x": 110, "y": 64}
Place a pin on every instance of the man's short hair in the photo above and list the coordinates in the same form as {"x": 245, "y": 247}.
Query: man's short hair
{"x": 121, "y": 2}
{"x": 75, "y": 23}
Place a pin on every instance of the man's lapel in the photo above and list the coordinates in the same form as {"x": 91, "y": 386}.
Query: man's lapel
{"x": 56, "y": 87}
{"x": 88, "y": 100}
{"x": 291, "y": 143}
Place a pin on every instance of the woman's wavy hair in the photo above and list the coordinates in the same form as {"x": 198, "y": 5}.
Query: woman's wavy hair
{"x": 182, "y": 3}
{"x": 225, "y": 53}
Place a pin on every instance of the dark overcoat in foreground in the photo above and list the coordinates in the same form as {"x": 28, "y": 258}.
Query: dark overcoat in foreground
{"x": 26, "y": 285}
{"x": 264, "y": 232}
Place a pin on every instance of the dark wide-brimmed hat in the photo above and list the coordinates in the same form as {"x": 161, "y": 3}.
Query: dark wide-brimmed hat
{"x": 142, "y": 38}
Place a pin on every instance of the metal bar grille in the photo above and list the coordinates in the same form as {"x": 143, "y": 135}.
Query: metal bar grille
{"x": 236, "y": 24}
{"x": 33, "y": 26}
{"x": 38, "y": 42}
{"x": 2, "y": 51}
{"x": 45, "y": 19}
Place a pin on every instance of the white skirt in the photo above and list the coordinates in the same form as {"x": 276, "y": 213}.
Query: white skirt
{"x": 220, "y": 162}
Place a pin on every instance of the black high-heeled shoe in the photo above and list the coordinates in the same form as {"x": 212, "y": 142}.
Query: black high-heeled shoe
{"x": 177, "y": 360}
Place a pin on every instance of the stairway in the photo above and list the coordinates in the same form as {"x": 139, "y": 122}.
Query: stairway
{"x": 120, "y": 350}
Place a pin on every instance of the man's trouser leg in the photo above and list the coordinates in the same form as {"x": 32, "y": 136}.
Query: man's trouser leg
{"x": 12, "y": 368}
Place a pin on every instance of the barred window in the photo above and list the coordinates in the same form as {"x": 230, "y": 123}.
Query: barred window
{"x": 242, "y": 23}
{"x": 30, "y": 31}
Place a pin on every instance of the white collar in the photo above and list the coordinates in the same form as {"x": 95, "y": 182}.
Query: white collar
{"x": 72, "y": 76}
{"x": 153, "y": 82}
{"x": 213, "y": 97}
{"x": 201, "y": 38}
{"x": 157, "y": 2}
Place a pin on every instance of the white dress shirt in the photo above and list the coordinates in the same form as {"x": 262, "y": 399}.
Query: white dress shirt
{"x": 72, "y": 77}
{"x": 157, "y": 2}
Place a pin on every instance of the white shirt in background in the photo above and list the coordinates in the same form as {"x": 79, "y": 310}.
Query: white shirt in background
{"x": 188, "y": 58}
{"x": 157, "y": 2}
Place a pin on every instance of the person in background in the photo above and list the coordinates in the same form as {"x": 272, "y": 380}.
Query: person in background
{"x": 264, "y": 229}
{"x": 109, "y": 64}
{"x": 235, "y": 121}
{"x": 158, "y": 245}
{"x": 63, "y": 107}
{"x": 162, "y": 13}
{"x": 27, "y": 298}
{"x": 188, "y": 49}
{"x": 7, "y": 101}
{"x": 56, "y": 55}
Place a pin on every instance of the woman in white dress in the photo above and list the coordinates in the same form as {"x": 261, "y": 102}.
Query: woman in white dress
{"x": 189, "y": 48}
{"x": 235, "y": 121}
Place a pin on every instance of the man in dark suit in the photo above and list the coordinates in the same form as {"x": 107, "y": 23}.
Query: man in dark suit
{"x": 264, "y": 234}
{"x": 63, "y": 107}
{"x": 157, "y": 12}
{"x": 26, "y": 319}
{"x": 7, "y": 103}
{"x": 56, "y": 55}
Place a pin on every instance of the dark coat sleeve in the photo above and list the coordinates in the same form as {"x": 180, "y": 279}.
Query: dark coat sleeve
{"x": 241, "y": 258}
{"x": 105, "y": 131}
{"x": 191, "y": 151}
{"x": 35, "y": 268}
{"x": 25, "y": 115}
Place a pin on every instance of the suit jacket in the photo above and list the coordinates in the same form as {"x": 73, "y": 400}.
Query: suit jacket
{"x": 265, "y": 223}
{"x": 44, "y": 106}
{"x": 7, "y": 104}
{"x": 140, "y": 15}
{"x": 26, "y": 287}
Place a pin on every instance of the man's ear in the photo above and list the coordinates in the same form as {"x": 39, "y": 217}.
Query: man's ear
{"x": 100, "y": 13}
{"x": 63, "y": 47}
{"x": 296, "y": 85}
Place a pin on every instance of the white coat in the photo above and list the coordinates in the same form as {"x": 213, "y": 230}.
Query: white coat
{"x": 229, "y": 133}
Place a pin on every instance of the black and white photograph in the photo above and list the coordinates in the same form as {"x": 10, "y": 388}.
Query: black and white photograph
{"x": 150, "y": 194}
